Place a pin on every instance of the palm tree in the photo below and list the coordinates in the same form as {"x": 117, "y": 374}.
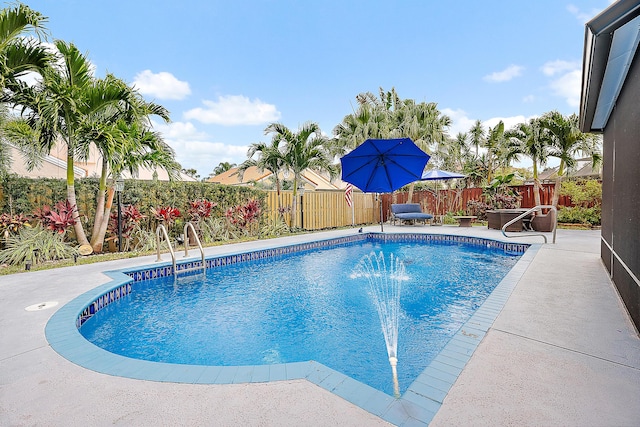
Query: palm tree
{"x": 18, "y": 54}
{"x": 304, "y": 149}
{"x": 477, "y": 135}
{"x": 529, "y": 140}
{"x": 222, "y": 167}
{"x": 388, "y": 116}
{"x": 493, "y": 143}
{"x": 121, "y": 132}
{"x": 423, "y": 123}
{"x": 269, "y": 157}
{"x": 567, "y": 141}
{"x": 60, "y": 105}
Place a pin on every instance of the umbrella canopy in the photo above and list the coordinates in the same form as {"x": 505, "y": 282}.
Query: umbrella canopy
{"x": 439, "y": 175}
{"x": 436, "y": 174}
{"x": 384, "y": 165}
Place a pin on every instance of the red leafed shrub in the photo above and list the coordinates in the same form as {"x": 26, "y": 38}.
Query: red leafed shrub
{"x": 200, "y": 209}
{"x": 243, "y": 216}
{"x": 167, "y": 214}
{"x": 57, "y": 219}
{"x": 130, "y": 217}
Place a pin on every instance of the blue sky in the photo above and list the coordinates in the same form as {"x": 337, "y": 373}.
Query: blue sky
{"x": 226, "y": 69}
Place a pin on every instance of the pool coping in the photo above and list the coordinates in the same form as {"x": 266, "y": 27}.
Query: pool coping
{"x": 417, "y": 406}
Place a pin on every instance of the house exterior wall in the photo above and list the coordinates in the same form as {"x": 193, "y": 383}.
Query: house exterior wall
{"x": 620, "y": 248}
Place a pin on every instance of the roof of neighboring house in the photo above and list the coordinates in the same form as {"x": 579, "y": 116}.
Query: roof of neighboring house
{"x": 50, "y": 166}
{"x": 54, "y": 165}
{"x": 231, "y": 177}
{"x": 312, "y": 180}
{"x": 611, "y": 42}
{"x": 584, "y": 169}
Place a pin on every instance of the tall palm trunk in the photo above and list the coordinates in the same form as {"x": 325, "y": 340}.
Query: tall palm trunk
{"x": 104, "y": 223}
{"x": 103, "y": 211}
{"x": 536, "y": 184}
{"x": 71, "y": 197}
{"x": 556, "y": 189}
{"x": 102, "y": 190}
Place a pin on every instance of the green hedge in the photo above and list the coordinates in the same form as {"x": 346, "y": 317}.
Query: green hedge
{"x": 24, "y": 195}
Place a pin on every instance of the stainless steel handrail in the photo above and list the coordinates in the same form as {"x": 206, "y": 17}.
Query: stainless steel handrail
{"x": 161, "y": 230}
{"x": 529, "y": 212}
{"x": 188, "y": 226}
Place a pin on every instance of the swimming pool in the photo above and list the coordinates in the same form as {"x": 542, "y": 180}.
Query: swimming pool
{"x": 85, "y": 307}
{"x": 313, "y": 304}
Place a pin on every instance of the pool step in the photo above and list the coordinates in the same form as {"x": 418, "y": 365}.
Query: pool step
{"x": 187, "y": 270}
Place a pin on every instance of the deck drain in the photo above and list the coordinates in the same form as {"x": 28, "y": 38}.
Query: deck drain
{"x": 42, "y": 306}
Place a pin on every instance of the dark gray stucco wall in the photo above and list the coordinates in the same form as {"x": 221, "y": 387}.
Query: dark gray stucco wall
{"x": 621, "y": 193}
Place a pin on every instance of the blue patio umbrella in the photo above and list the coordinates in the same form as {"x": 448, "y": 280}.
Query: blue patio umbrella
{"x": 383, "y": 165}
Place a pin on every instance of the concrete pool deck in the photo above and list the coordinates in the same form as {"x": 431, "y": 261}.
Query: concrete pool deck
{"x": 562, "y": 351}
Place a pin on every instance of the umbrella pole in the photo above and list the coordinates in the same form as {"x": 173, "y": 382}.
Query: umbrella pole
{"x": 380, "y": 200}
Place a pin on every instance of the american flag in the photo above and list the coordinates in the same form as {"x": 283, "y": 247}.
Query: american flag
{"x": 348, "y": 194}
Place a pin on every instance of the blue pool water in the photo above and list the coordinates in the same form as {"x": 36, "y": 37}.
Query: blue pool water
{"x": 305, "y": 306}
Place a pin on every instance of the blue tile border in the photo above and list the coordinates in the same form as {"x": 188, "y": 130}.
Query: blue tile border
{"x": 417, "y": 406}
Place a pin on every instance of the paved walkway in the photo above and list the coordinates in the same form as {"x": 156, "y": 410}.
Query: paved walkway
{"x": 561, "y": 352}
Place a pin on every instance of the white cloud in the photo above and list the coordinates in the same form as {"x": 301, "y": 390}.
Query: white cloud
{"x": 584, "y": 16}
{"x": 552, "y": 68}
{"x": 460, "y": 123}
{"x": 196, "y": 150}
{"x": 529, "y": 98}
{"x": 162, "y": 85}
{"x": 566, "y": 80}
{"x": 233, "y": 110}
{"x": 568, "y": 86}
{"x": 507, "y": 74}
{"x": 509, "y": 122}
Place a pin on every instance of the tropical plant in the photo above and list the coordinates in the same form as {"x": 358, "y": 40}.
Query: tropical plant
{"x": 222, "y": 167}
{"x": 200, "y": 210}
{"x": 566, "y": 142}
{"x": 130, "y": 218}
{"x": 58, "y": 219}
{"x": 243, "y": 217}
{"x": 499, "y": 195}
{"x": 267, "y": 157}
{"x": 19, "y": 54}
{"x": 58, "y": 105}
{"x": 274, "y": 228}
{"x": 304, "y": 149}
{"x": 218, "y": 229}
{"x": 125, "y": 141}
{"x": 12, "y": 224}
{"x": 580, "y": 215}
{"x": 530, "y": 140}
{"x": 389, "y": 116}
{"x": 35, "y": 245}
{"x": 587, "y": 193}
{"x": 165, "y": 214}
{"x": 477, "y": 135}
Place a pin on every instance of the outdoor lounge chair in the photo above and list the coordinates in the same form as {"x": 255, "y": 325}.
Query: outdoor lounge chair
{"x": 543, "y": 222}
{"x": 408, "y": 212}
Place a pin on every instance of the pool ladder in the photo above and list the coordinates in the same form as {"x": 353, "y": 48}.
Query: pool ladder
{"x": 161, "y": 234}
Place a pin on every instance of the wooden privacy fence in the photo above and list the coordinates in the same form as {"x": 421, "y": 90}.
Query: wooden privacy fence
{"x": 323, "y": 209}
{"x": 328, "y": 209}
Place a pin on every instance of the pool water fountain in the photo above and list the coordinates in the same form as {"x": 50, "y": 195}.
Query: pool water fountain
{"x": 384, "y": 287}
